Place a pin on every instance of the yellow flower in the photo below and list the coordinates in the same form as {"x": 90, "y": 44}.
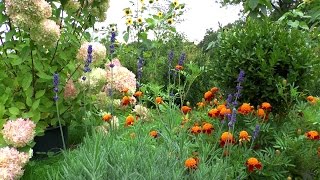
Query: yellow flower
{"x": 127, "y": 11}
{"x": 140, "y": 20}
{"x": 175, "y": 3}
{"x": 142, "y": 1}
{"x": 129, "y": 21}
{"x": 160, "y": 14}
{"x": 170, "y": 21}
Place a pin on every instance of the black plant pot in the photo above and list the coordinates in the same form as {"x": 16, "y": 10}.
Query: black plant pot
{"x": 51, "y": 142}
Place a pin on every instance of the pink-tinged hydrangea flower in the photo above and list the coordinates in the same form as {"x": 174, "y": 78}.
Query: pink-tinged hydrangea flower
{"x": 99, "y": 51}
{"x": 47, "y": 33}
{"x": 27, "y": 13}
{"x": 11, "y": 163}
{"x": 70, "y": 91}
{"x": 96, "y": 77}
{"x": 18, "y": 133}
{"x": 121, "y": 78}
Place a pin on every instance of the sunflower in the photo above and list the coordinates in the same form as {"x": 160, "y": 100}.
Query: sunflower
{"x": 139, "y": 20}
{"x": 175, "y": 3}
{"x": 127, "y": 11}
{"x": 170, "y": 21}
{"x": 160, "y": 14}
{"x": 129, "y": 21}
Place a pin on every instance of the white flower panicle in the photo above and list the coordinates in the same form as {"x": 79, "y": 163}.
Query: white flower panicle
{"x": 96, "y": 77}
{"x": 46, "y": 34}
{"x": 99, "y": 51}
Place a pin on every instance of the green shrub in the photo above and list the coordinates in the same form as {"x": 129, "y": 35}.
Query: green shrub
{"x": 277, "y": 61}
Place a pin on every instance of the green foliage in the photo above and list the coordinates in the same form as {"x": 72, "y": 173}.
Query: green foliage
{"x": 275, "y": 58}
{"x": 28, "y": 68}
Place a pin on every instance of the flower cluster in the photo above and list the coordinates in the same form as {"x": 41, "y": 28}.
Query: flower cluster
{"x": 70, "y": 91}
{"x": 26, "y": 13}
{"x": 46, "y": 33}
{"x": 19, "y": 132}
{"x": 121, "y": 78}
{"x": 72, "y": 6}
{"x": 99, "y": 51}
{"x": 12, "y": 162}
{"x": 97, "y": 76}
{"x": 141, "y": 112}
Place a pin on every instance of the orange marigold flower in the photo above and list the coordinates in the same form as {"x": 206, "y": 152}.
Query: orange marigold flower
{"x": 196, "y": 129}
{"x": 253, "y": 163}
{"x": 208, "y": 96}
{"x": 310, "y": 98}
{"x": 153, "y": 134}
{"x": 106, "y": 117}
{"x": 179, "y": 68}
{"x": 245, "y": 108}
{"x": 214, "y": 89}
{"x": 225, "y": 111}
{"x": 213, "y": 113}
{"x": 207, "y": 128}
{"x": 191, "y": 163}
{"x": 159, "y": 100}
{"x": 226, "y": 137}
{"x": 221, "y": 106}
{"x": 138, "y": 94}
{"x": 244, "y": 136}
{"x": 261, "y": 113}
{"x": 185, "y": 109}
{"x": 201, "y": 105}
{"x": 313, "y": 135}
{"x": 266, "y": 106}
{"x": 125, "y": 101}
{"x": 125, "y": 90}
{"x": 129, "y": 120}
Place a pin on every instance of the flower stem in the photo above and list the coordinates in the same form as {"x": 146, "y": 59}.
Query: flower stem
{"x": 60, "y": 126}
